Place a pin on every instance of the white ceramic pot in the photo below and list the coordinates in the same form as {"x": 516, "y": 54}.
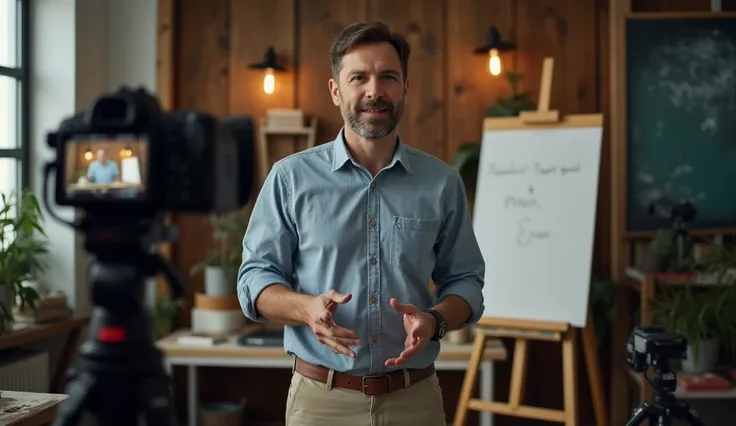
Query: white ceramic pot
{"x": 704, "y": 359}
{"x": 215, "y": 283}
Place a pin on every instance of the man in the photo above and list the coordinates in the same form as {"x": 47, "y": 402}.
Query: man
{"x": 342, "y": 243}
{"x": 102, "y": 170}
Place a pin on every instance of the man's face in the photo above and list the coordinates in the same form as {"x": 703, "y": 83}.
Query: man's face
{"x": 101, "y": 156}
{"x": 370, "y": 90}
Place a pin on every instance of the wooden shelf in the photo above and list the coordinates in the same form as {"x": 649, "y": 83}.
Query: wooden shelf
{"x": 698, "y": 279}
{"x": 638, "y": 380}
{"x": 24, "y": 334}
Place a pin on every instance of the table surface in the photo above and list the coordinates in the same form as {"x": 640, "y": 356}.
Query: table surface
{"x": 495, "y": 351}
{"x": 27, "y": 408}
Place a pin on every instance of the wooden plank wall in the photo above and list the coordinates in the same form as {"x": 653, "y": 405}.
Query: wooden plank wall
{"x": 216, "y": 40}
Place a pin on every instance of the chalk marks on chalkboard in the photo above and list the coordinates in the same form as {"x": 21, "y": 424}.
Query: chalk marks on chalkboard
{"x": 698, "y": 73}
{"x": 681, "y": 104}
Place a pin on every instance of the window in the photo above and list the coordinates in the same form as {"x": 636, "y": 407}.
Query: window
{"x": 14, "y": 149}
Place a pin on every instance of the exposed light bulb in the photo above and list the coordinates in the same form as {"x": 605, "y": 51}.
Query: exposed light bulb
{"x": 88, "y": 155}
{"x": 269, "y": 81}
{"x": 494, "y": 62}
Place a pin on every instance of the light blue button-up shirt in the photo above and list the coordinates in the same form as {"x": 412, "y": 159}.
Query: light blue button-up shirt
{"x": 321, "y": 222}
{"x": 103, "y": 173}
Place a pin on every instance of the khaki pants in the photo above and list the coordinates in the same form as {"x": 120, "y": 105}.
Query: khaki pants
{"x": 312, "y": 403}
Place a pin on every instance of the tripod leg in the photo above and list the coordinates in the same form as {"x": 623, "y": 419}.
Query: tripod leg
{"x": 157, "y": 398}
{"x": 691, "y": 416}
{"x": 640, "y": 414}
{"x": 80, "y": 389}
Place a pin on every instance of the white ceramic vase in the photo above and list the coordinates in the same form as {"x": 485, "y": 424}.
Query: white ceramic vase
{"x": 704, "y": 360}
{"x": 215, "y": 282}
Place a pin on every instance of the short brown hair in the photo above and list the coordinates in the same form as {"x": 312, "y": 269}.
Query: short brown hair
{"x": 367, "y": 33}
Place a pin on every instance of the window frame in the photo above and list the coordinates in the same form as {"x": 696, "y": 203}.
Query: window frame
{"x": 22, "y": 153}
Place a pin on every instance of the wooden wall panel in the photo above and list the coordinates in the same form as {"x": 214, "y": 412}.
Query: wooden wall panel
{"x": 258, "y": 25}
{"x": 320, "y": 21}
{"x": 421, "y": 22}
{"x": 203, "y": 83}
{"x": 470, "y": 86}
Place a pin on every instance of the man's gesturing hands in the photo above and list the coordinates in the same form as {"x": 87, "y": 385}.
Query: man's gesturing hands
{"x": 419, "y": 328}
{"x": 321, "y": 321}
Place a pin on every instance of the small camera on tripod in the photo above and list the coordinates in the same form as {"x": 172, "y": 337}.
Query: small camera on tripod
{"x": 654, "y": 347}
{"x": 681, "y": 215}
{"x": 124, "y": 163}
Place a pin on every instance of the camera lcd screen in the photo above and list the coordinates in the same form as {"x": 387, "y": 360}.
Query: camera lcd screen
{"x": 108, "y": 167}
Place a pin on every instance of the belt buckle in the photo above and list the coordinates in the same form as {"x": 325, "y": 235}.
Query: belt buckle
{"x": 383, "y": 377}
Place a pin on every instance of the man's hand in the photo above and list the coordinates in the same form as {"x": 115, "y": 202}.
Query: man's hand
{"x": 419, "y": 328}
{"x": 320, "y": 320}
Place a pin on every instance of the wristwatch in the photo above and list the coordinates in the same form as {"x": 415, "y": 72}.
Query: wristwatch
{"x": 441, "y": 327}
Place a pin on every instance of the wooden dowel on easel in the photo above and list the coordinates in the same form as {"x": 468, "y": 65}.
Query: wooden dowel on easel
{"x": 543, "y": 113}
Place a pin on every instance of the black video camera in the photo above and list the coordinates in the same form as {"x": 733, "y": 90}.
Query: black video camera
{"x": 126, "y": 163}
{"x": 654, "y": 346}
{"x": 124, "y": 156}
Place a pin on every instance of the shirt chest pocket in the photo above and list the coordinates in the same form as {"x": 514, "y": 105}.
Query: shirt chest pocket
{"x": 412, "y": 244}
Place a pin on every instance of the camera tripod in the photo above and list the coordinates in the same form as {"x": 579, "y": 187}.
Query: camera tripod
{"x": 119, "y": 375}
{"x": 664, "y": 406}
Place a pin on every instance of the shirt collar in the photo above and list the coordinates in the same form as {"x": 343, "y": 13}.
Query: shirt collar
{"x": 341, "y": 155}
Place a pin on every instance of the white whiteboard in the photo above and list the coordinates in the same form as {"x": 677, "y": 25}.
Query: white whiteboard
{"x": 534, "y": 218}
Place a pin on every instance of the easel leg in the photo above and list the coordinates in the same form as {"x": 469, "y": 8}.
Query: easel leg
{"x": 518, "y": 370}
{"x": 471, "y": 377}
{"x": 594, "y": 373}
{"x": 569, "y": 377}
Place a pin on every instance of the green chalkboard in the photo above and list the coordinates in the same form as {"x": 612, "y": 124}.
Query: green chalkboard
{"x": 681, "y": 114}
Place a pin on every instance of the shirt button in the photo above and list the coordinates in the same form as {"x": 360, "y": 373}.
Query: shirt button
{"x": 373, "y": 299}
{"x": 373, "y": 261}
{"x": 374, "y": 338}
{"x": 373, "y": 222}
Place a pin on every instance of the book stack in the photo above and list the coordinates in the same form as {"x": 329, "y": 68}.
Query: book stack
{"x": 49, "y": 307}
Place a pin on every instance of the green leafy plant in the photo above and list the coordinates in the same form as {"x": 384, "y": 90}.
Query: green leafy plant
{"x": 601, "y": 304}
{"x": 22, "y": 244}
{"x": 466, "y": 158}
{"x": 698, "y": 312}
{"x": 164, "y": 312}
{"x": 517, "y": 101}
{"x": 227, "y": 235}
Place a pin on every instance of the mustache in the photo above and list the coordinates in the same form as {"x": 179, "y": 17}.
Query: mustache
{"x": 375, "y": 105}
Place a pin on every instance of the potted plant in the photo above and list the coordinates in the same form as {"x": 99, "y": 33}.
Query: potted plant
{"x": 22, "y": 245}
{"x": 701, "y": 314}
{"x": 221, "y": 264}
{"x": 466, "y": 159}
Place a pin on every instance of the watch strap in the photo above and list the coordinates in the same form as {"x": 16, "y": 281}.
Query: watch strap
{"x": 440, "y": 325}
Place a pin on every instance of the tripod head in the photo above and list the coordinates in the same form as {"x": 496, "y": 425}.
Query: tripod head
{"x": 168, "y": 162}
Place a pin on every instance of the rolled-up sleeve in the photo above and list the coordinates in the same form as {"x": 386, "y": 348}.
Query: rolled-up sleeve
{"x": 460, "y": 267}
{"x": 269, "y": 242}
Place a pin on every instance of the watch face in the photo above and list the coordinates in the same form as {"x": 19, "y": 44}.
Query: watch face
{"x": 442, "y": 330}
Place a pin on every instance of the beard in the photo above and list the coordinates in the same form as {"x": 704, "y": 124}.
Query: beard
{"x": 373, "y": 128}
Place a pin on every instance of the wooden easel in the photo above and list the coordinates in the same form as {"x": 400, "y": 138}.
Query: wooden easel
{"x": 524, "y": 330}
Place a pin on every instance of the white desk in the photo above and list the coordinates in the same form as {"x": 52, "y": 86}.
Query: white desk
{"x": 230, "y": 354}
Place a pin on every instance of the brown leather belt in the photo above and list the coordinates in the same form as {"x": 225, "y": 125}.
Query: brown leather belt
{"x": 369, "y": 385}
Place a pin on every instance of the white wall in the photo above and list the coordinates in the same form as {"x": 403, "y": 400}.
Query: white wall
{"x": 81, "y": 49}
